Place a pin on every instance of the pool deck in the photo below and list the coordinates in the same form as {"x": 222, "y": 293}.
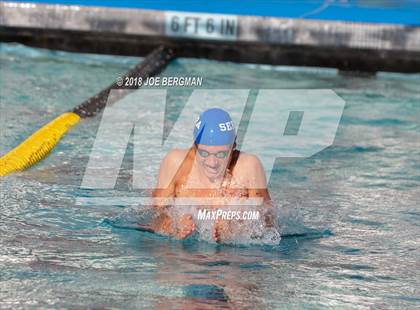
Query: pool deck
{"x": 350, "y": 46}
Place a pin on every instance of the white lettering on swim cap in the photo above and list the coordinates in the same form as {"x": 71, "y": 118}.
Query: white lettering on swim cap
{"x": 198, "y": 124}
{"x": 228, "y": 126}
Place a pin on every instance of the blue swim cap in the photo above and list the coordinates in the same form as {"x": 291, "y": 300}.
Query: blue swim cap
{"x": 214, "y": 127}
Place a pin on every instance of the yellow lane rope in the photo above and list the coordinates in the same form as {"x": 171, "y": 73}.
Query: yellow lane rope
{"x": 38, "y": 145}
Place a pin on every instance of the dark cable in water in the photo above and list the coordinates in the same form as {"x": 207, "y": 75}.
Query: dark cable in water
{"x": 151, "y": 65}
{"x": 40, "y": 143}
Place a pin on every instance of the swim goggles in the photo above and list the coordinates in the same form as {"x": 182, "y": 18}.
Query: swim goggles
{"x": 220, "y": 154}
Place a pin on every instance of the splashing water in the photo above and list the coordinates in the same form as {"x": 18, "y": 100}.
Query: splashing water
{"x": 241, "y": 232}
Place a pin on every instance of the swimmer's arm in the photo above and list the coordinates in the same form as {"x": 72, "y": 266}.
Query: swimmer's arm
{"x": 164, "y": 224}
{"x": 165, "y": 187}
{"x": 258, "y": 188}
{"x": 257, "y": 182}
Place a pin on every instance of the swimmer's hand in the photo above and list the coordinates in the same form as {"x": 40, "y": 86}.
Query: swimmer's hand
{"x": 179, "y": 228}
{"x": 184, "y": 227}
{"x": 221, "y": 230}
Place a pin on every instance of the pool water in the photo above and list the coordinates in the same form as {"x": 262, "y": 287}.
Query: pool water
{"x": 352, "y": 238}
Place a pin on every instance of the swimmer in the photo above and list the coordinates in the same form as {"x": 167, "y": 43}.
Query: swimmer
{"x": 211, "y": 168}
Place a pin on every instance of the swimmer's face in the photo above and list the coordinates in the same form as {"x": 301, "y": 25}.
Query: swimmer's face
{"x": 213, "y": 159}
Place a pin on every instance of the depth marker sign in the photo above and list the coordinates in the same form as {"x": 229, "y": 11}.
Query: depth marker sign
{"x": 201, "y": 26}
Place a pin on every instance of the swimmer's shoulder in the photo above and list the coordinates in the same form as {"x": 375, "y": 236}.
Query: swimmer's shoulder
{"x": 175, "y": 157}
{"x": 170, "y": 165}
{"x": 250, "y": 170}
{"x": 247, "y": 160}
{"x": 246, "y": 165}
